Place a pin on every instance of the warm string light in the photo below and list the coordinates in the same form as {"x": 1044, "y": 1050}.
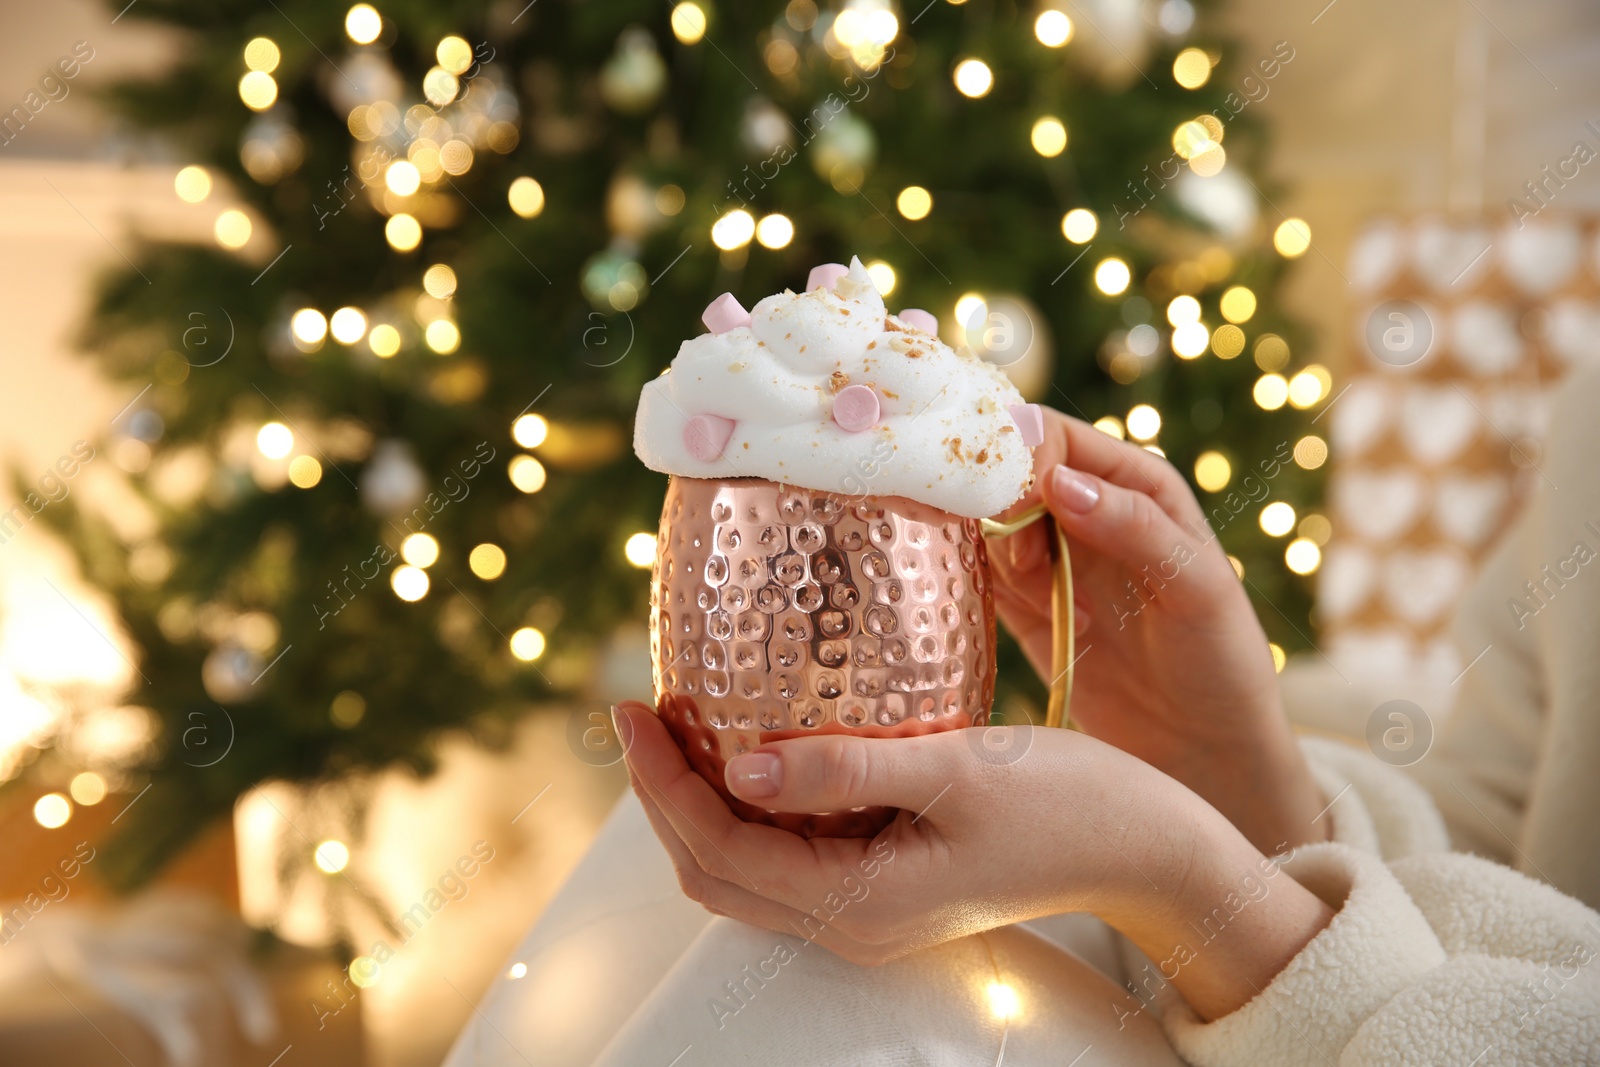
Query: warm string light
{"x": 348, "y": 325}
{"x": 1277, "y": 519}
{"x": 487, "y": 561}
{"x": 1111, "y": 276}
{"x": 275, "y": 440}
{"x": 1079, "y": 225}
{"x": 530, "y": 431}
{"x": 1212, "y": 471}
{"x": 52, "y": 811}
{"x": 688, "y": 23}
{"x": 87, "y": 788}
{"x": 409, "y": 583}
{"x": 733, "y": 230}
{"x": 1292, "y": 238}
{"x": 262, "y": 54}
{"x": 192, "y": 184}
{"x": 233, "y": 229}
{"x": 363, "y": 24}
{"x": 1191, "y": 68}
{"x": 1311, "y": 452}
{"x": 527, "y": 474}
{"x": 774, "y": 231}
{"x": 527, "y": 644}
{"x": 331, "y": 856}
{"x": 914, "y": 202}
{"x": 640, "y": 549}
{"x": 1049, "y": 137}
{"x": 973, "y": 78}
{"x": 526, "y": 197}
{"x": 1052, "y": 28}
{"x": 305, "y": 471}
{"x": 420, "y": 550}
{"x": 882, "y": 275}
{"x": 1144, "y": 423}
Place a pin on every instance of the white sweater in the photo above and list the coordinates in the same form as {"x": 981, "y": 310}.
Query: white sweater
{"x": 1434, "y": 957}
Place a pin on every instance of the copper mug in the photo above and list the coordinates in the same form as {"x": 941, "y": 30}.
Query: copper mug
{"x": 779, "y": 612}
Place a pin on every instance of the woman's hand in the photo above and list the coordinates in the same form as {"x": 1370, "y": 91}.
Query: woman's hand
{"x": 1062, "y": 824}
{"x": 1173, "y": 665}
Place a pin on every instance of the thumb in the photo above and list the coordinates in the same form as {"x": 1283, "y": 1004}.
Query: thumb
{"x": 835, "y": 772}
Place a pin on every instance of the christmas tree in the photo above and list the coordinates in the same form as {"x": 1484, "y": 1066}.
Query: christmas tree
{"x": 384, "y": 448}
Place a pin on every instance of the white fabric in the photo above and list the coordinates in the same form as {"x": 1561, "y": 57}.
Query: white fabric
{"x": 623, "y": 970}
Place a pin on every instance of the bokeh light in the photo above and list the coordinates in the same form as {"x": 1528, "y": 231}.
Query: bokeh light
{"x": 1053, "y": 28}
{"x": 774, "y": 231}
{"x": 688, "y": 22}
{"x": 1111, "y": 276}
{"x": 305, "y": 471}
{"x": 363, "y": 24}
{"x": 192, "y": 184}
{"x": 526, "y": 197}
{"x": 1212, "y": 471}
{"x": 1079, "y": 225}
{"x": 1191, "y": 68}
{"x": 348, "y": 325}
{"x": 640, "y": 549}
{"x": 409, "y": 583}
{"x": 527, "y": 474}
{"x": 973, "y": 78}
{"x": 275, "y": 440}
{"x": 233, "y": 229}
{"x": 1049, "y": 137}
{"x": 1144, "y": 422}
{"x": 914, "y": 202}
{"x": 529, "y": 431}
{"x": 527, "y": 644}
{"x": 1292, "y": 238}
{"x": 487, "y": 561}
{"x": 1277, "y": 518}
{"x": 733, "y": 230}
{"x": 1238, "y": 304}
{"x": 1270, "y": 392}
{"x": 420, "y": 550}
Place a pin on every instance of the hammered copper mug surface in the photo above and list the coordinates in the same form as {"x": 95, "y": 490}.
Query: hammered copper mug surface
{"x": 779, "y": 612}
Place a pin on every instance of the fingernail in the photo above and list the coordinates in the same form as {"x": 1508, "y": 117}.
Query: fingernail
{"x": 755, "y": 775}
{"x": 1074, "y": 490}
{"x": 624, "y": 727}
{"x": 1080, "y": 621}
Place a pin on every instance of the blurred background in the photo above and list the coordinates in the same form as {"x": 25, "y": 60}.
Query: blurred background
{"x": 322, "y": 548}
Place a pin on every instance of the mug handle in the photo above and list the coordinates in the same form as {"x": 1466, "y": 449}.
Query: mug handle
{"x": 1063, "y": 657}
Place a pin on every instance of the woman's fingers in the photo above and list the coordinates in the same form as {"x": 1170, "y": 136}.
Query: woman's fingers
{"x": 722, "y": 897}
{"x": 771, "y": 862}
{"x": 1131, "y": 528}
{"x": 834, "y": 771}
{"x": 1131, "y": 467}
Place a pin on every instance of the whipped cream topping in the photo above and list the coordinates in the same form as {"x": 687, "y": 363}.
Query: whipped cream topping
{"x": 826, "y": 391}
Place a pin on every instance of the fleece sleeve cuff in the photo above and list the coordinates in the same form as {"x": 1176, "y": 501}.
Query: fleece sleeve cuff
{"x": 1373, "y": 807}
{"x": 1377, "y": 945}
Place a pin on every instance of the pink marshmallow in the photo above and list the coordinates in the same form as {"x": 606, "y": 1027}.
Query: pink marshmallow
{"x": 725, "y": 313}
{"x": 826, "y": 276}
{"x": 918, "y": 319}
{"x": 1030, "y": 423}
{"x": 856, "y": 408}
{"x": 705, "y": 436}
